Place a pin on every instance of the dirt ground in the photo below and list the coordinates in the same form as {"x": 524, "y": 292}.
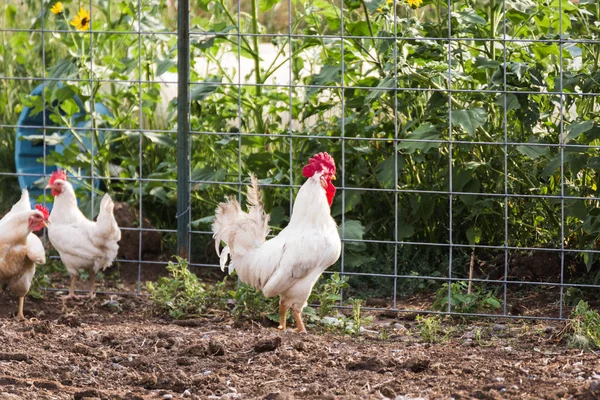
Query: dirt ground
{"x": 114, "y": 347}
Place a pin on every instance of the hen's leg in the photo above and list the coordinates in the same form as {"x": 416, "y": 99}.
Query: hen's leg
{"x": 282, "y": 315}
{"x": 298, "y": 317}
{"x": 71, "y": 294}
{"x": 20, "y": 315}
{"x": 92, "y": 284}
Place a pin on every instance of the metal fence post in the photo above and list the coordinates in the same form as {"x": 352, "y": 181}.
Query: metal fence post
{"x": 183, "y": 154}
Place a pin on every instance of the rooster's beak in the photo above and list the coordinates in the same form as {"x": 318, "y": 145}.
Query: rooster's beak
{"x": 46, "y": 223}
{"x": 48, "y": 186}
{"x": 333, "y": 177}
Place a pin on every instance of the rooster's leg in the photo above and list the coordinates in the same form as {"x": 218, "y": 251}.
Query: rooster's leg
{"x": 282, "y": 315}
{"x": 299, "y": 324}
{"x": 20, "y": 315}
{"x": 92, "y": 284}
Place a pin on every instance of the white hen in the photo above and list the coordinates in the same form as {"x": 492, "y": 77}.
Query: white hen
{"x": 81, "y": 243}
{"x": 20, "y": 249}
{"x": 289, "y": 264}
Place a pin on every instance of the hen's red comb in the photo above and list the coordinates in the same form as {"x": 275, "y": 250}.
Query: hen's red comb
{"x": 317, "y": 163}
{"x": 58, "y": 174}
{"x": 43, "y": 210}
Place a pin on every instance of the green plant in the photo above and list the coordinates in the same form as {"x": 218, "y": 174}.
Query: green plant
{"x": 328, "y": 293}
{"x": 251, "y": 304}
{"x": 182, "y": 294}
{"x": 460, "y": 301}
{"x": 584, "y": 325}
{"x": 357, "y": 319}
{"x": 430, "y": 328}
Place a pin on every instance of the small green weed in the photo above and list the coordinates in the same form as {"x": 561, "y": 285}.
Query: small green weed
{"x": 183, "y": 295}
{"x": 41, "y": 279}
{"x": 585, "y": 327}
{"x": 357, "y": 319}
{"x": 328, "y": 293}
{"x": 250, "y": 303}
{"x": 430, "y": 328}
{"x": 462, "y": 302}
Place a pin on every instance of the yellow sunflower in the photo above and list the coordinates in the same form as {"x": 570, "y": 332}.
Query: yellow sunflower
{"x": 81, "y": 21}
{"x": 57, "y": 8}
{"x": 414, "y": 3}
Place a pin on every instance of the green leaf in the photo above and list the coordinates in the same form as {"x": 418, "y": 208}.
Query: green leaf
{"x": 384, "y": 86}
{"x": 373, "y": 5}
{"x": 64, "y": 68}
{"x": 69, "y": 107}
{"x": 385, "y": 171}
{"x": 576, "y": 129}
{"x": 328, "y": 75}
{"x": 10, "y": 15}
{"x": 474, "y": 235}
{"x": 352, "y": 230}
{"x": 512, "y": 101}
{"x": 470, "y": 119}
{"x": 160, "y": 138}
{"x": 266, "y": 5}
{"x": 405, "y": 230}
{"x": 533, "y": 152}
{"x": 468, "y": 16}
{"x": 163, "y": 66}
{"x": 202, "y": 90}
{"x": 423, "y": 132}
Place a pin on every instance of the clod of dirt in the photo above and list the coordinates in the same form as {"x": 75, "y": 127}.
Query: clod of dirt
{"x": 366, "y": 364}
{"x": 90, "y": 393}
{"x": 14, "y": 357}
{"x": 43, "y": 327}
{"x": 300, "y": 346}
{"x": 216, "y": 348}
{"x": 415, "y": 365}
{"x": 45, "y": 384}
{"x": 267, "y": 345}
{"x": 279, "y": 396}
{"x": 197, "y": 350}
{"x": 388, "y": 392}
{"x": 191, "y": 323}
{"x": 69, "y": 320}
{"x": 80, "y": 348}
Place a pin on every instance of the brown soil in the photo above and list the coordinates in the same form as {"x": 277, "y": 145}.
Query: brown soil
{"x": 113, "y": 347}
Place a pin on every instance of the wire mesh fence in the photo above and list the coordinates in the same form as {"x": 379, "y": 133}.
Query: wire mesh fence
{"x": 465, "y": 134}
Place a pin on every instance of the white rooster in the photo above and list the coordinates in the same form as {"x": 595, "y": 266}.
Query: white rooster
{"x": 289, "y": 264}
{"x": 20, "y": 249}
{"x": 81, "y": 243}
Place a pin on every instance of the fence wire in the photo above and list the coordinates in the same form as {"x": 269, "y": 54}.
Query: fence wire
{"x": 198, "y": 185}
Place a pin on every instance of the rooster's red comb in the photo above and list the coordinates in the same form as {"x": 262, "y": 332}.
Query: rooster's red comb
{"x": 43, "y": 210}
{"x": 318, "y": 163}
{"x": 58, "y": 174}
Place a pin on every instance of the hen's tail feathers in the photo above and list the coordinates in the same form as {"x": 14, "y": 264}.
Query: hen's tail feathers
{"x": 23, "y": 204}
{"x": 242, "y": 232}
{"x": 106, "y": 225}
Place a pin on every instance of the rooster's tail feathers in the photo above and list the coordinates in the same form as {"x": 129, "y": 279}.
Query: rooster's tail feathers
{"x": 241, "y": 232}
{"x": 256, "y": 209}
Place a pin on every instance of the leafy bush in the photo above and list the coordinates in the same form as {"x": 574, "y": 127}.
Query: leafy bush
{"x": 479, "y": 300}
{"x": 183, "y": 295}
{"x": 584, "y": 325}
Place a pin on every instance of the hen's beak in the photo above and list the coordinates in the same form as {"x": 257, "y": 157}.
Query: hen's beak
{"x": 49, "y": 186}
{"x": 46, "y": 223}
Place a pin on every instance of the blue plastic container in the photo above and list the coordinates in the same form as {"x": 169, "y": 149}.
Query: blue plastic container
{"x": 27, "y": 153}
